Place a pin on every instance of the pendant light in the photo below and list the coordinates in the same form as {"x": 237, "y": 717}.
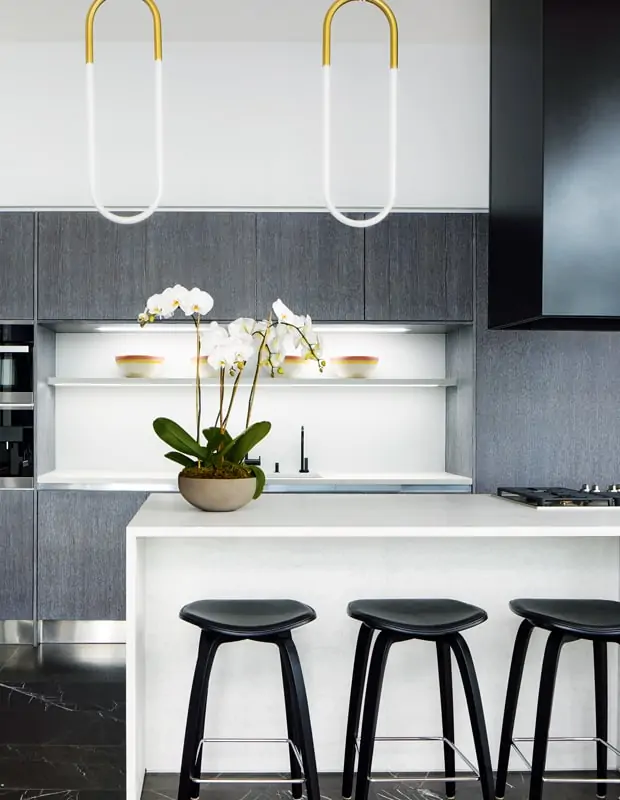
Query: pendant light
{"x": 393, "y": 113}
{"x": 90, "y": 104}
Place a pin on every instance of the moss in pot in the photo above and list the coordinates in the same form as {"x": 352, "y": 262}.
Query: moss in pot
{"x": 215, "y": 476}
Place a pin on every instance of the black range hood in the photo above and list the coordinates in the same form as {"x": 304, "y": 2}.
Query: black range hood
{"x": 554, "y": 229}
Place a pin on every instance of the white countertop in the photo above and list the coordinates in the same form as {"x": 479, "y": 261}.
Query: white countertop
{"x": 433, "y": 515}
{"x": 165, "y": 482}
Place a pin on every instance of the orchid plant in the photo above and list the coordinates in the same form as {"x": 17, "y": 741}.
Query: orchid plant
{"x": 213, "y": 452}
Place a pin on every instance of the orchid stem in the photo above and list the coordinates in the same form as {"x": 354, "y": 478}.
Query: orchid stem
{"x": 232, "y": 397}
{"x": 256, "y": 373}
{"x": 222, "y": 422}
{"x": 198, "y": 382}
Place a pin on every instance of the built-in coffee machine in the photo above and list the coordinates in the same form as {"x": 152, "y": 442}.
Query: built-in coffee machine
{"x": 16, "y": 401}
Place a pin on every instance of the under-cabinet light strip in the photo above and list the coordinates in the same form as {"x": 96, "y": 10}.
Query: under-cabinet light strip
{"x": 182, "y": 328}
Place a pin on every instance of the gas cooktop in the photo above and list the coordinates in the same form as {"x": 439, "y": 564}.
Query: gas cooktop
{"x": 559, "y": 497}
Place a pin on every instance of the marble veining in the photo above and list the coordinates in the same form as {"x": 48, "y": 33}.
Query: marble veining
{"x": 85, "y": 760}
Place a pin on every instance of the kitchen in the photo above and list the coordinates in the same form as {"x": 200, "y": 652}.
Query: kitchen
{"x": 504, "y": 408}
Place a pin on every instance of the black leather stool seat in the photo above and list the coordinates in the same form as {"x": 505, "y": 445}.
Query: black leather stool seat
{"x": 424, "y": 617}
{"x": 581, "y": 617}
{"x": 247, "y": 619}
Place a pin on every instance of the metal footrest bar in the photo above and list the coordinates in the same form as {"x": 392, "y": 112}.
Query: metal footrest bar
{"x": 293, "y": 747}
{"x": 590, "y": 739}
{"x": 440, "y": 779}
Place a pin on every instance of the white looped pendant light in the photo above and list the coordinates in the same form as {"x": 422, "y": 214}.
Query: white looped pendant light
{"x": 90, "y": 102}
{"x": 393, "y": 114}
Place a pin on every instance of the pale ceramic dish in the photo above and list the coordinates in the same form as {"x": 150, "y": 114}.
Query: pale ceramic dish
{"x": 206, "y": 370}
{"x": 292, "y": 367}
{"x": 139, "y": 366}
{"x": 354, "y": 366}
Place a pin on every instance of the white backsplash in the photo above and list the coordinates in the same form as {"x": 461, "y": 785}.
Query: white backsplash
{"x": 353, "y": 430}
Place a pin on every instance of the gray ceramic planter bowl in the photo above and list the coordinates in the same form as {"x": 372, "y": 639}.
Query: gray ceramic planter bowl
{"x": 211, "y": 494}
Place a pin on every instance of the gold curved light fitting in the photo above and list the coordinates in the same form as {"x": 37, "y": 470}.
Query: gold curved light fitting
{"x": 90, "y": 30}
{"x": 327, "y": 30}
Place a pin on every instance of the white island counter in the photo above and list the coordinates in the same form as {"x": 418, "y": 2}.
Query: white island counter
{"x": 327, "y": 550}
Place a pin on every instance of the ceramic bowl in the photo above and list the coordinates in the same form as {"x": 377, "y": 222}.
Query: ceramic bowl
{"x": 354, "y": 366}
{"x": 295, "y": 366}
{"x": 206, "y": 370}
{"x": 139, "y": 366}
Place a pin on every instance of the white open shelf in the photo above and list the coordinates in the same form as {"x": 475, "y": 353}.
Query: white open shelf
{"x": 272, "y": 383}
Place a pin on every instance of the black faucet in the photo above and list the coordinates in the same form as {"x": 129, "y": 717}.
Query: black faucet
{"x": 304, "y": 461}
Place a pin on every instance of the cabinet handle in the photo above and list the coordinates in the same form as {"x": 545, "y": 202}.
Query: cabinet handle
{"x": 90, "y": 106}
{"x": 393, "y": 114}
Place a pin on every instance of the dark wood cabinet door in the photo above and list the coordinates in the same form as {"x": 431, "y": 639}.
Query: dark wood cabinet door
{"x": 90, "y": 268}
{"x": 313, "y": 263}
{"x": 214, "y": 251}
{"x": 16, "y": 265}
{"x": 17, "y": 548}
{"x": 419, "y": 267}
{"x": 81, "y": 553}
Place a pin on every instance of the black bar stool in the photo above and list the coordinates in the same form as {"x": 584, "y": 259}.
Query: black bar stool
{"x": 271, "y": 621}
{"x": 438, "y": 621}
{"x": 566, "y": 621}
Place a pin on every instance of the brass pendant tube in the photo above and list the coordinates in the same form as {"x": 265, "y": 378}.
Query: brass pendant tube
{"x": 90, "y": 30}
{"x": 393, "y": 114}
{"x": 90, "y": 105}
{"x": 389, "y": 15}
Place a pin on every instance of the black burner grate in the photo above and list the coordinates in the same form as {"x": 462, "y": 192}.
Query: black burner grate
{"x": 559, "y": 496}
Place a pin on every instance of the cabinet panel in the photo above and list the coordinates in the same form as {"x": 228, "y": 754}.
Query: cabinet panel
{"x": 313, "y": 263}
{"x": 214, "y": 251}
{"x": 90, "y": 268}
{"x": 17, "y": 549}
{"x": 81, "y": 548}
{"x": 17, "y": 265}
{"x": 419, "y": 267}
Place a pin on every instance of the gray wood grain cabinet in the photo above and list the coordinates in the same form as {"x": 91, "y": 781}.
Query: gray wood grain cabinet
{"x": 17, "y": 554}
{"x": 214, "y": 251}
{"x": 90, "y": 268}
{"x": 81, "y": 553}
{"x": 419, "y": 267}
{"x": 16, "y": 265}
{"x": 313, "y": 263}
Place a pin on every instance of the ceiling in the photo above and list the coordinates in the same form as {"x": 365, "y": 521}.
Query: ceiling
{"x": 450, "y": 21}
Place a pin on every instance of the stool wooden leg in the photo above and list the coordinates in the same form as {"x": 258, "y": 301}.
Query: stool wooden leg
{"x": 444, "y": 666}
{"x": 602, "y": 727}
{"x": 292, "y": 724}
{"x": 194, "y": 729}
{"x": 371, "y": 712}
{"x": 555, "y": 642}
{"x": 295, "y": 679}
{"x": 510, "y": 709}
{"x": 360, "y": 668}
{"x": 476, "y": 713}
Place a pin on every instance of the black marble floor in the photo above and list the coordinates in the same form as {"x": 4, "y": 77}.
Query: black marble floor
{"x": 62, "y": 737}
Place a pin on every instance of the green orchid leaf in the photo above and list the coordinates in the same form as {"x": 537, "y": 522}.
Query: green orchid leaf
{"x": 216, "y": 438}
{"x": 179, "y": 458}
{"x": 179, "y": 439}
{"x": 260, "y": 479}
{"x": 238, "y": 449}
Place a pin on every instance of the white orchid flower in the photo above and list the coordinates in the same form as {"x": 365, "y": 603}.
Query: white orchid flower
{"x": 284, "y": 314}
{"x": 155, "y": 305}
{"x": 244, "y": 326}
{"x": 230, "y": 353}
{"x": 196, "y": 301}
{"x": 308, "y": 339}
{"x": 172, "y": 298}
{"x": 212, "y": 336}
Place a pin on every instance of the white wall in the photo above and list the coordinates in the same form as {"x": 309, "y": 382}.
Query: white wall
{"x": 243, "y": 124}
{"x": 354, "y": 430}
